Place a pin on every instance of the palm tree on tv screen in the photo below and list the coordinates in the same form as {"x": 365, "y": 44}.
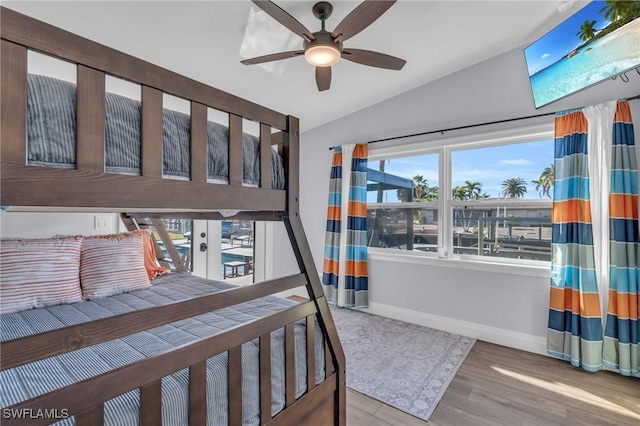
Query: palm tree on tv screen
{"x": 514, "y": 188}
{"x": 587, "y": 30}
{"x": 616, "y": 9}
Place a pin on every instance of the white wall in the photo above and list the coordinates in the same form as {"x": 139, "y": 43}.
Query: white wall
{"x": 45, "y": 225}
{"x": 507, "y": 309}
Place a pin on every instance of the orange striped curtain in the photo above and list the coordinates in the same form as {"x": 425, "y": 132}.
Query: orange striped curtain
{"x": 575, "y": 325}
{"x": 622, "y": 330}
{"x": 593, "y": 315}
{"x": 345, "y": 268}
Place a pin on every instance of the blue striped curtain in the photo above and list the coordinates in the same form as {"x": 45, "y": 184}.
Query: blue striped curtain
{"x": 575, "y": 325}
{"x": 622, "y": 331}
{"x": 596, "y": 241}
{"x": 345, "y": 268}
{"x": 331, "y": 263}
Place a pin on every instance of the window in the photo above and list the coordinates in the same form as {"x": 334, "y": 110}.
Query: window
{"x": 402, "y": 203}
{"x": 485, "y": 197}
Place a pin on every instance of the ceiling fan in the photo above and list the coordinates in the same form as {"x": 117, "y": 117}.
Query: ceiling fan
{"x": 323, "y": 48}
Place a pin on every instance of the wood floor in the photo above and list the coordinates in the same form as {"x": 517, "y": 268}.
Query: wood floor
{"x": 502, "y": 386}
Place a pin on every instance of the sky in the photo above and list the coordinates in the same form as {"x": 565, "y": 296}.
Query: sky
{"x": 490, "y": 166}
{"x": 563, "y": 39}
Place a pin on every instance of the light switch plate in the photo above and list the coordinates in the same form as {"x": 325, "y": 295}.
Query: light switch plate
{"x": 103, "y": 223}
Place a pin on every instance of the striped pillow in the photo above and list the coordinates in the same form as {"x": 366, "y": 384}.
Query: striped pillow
{"x": 112, "y": 264}
{"x": 36, "y": 273}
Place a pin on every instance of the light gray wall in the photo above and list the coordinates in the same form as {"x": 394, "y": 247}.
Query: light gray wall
{"x": 45, "y": 225}
{"x": 494, "y": 90}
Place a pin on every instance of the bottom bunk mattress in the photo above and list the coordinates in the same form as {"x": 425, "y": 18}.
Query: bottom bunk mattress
{"x": 37, "y": 378}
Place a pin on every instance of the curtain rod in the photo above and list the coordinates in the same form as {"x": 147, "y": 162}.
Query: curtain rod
{"x": 469, "y": 126}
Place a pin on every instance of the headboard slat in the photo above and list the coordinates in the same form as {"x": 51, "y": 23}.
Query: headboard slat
{"x": 265, "y": 156}
{"x": 199, "y": 152}
{"x": 151, "y": 132}
{"x": 13, "y": 90}
{"x": 235, "y": 150}
{"x": 91, "y": 116}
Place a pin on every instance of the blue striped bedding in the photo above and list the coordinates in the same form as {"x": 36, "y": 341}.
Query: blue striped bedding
{"x": 27, "y": 381}
{"x": 51, "y": 135}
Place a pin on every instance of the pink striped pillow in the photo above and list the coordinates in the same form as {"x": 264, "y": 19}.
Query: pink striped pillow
{"x": 112, "y": 264}
{"x": 36, "y": 273}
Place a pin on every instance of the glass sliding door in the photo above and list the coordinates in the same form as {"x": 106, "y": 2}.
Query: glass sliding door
{"x": 226, "y": 250}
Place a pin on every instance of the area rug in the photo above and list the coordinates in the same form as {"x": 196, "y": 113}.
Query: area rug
{"x": 403, "y": 365}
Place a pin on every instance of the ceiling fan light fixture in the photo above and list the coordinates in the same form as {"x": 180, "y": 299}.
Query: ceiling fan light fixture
{"x": 323, "y": 49}
{"x": 322, "y": 55}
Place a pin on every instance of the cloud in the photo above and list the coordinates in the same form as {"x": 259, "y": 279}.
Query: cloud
{"x": 517, "y": 162}
{"x": 545, "y": 55}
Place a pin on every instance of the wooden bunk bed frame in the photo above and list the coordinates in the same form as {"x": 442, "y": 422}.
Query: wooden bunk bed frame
{"x": 89, "y": 188}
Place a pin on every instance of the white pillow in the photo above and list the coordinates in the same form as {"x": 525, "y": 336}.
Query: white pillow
{"x": 35, "y": 273}
{"x": 112, "y": 264}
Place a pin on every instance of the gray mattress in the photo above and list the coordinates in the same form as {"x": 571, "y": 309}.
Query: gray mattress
{"x": 27, "y": 381}
{"x": 51, "y": 134}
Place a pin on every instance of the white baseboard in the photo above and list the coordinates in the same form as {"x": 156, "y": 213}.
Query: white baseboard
{"x": 499, "y": 336}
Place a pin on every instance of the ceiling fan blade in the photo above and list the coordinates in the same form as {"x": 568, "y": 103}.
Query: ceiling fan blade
{"x": 280, "y": 15}
{"x": 323, "y": 78}
{"x": 273, "y": 57}
{"x": 360, "y": 18}
{"x": 373, "y": 59}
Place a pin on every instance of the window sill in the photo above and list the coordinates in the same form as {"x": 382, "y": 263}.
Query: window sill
{"x": 533, "y": 269}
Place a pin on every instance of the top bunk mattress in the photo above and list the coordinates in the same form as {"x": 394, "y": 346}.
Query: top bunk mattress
{"x": 51, "y": 137}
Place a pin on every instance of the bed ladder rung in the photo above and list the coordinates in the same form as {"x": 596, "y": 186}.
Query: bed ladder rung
{"x": 135, "y": 223}
{"x": 168, "y": 245}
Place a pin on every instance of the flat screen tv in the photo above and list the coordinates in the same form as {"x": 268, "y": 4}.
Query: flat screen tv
{"x": 598, "y": 42}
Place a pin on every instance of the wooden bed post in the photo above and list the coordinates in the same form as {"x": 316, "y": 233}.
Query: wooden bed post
{"x": 302, "y": 251}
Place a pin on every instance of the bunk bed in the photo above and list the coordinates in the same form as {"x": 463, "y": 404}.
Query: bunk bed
{"x": 289, "y": 350}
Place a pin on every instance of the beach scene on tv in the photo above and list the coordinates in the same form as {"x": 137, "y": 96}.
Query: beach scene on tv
{"x": 600, "y": 41}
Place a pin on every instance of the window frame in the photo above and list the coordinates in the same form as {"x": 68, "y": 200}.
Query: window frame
{"x": 445, "y": 147}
